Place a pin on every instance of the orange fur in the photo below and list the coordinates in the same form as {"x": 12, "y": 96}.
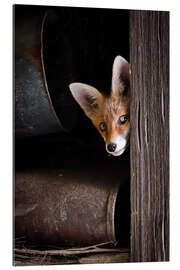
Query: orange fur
{"x": 109, "y": 110}
{"x": 106, "y": 112}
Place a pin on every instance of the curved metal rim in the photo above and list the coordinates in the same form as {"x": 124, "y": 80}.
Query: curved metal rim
{"x": 44, "y": 73}
{"x": 111, "y": 214}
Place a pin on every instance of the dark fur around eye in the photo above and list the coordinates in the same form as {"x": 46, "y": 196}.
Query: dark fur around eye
{"x": 122, "y": 119}
{"x": 102, "y": 126}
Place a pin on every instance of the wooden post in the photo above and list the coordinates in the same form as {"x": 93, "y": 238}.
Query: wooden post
{"x": 149, "y": 58}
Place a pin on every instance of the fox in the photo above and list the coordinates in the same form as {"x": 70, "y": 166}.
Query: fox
{"x": 110, "y": 113}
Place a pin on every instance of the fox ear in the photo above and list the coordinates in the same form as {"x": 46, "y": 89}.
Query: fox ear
{"x": 120, "y": 75}
{"x": 88, "y": 97}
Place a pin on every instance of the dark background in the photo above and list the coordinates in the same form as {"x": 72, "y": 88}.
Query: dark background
{"x": 79, "y": 45}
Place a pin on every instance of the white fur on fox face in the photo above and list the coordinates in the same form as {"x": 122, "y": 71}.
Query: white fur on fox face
{"x": 121, "y": 141}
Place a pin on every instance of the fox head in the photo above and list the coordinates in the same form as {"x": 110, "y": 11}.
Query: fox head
{"x": 109, "y": 114}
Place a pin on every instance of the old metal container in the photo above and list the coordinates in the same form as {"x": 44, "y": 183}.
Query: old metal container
{"x": 35, "y": 111}
{"x": 68, "y": 209}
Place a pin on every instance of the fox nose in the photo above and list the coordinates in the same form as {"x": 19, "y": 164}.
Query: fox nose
{"x": 111, "y": 147}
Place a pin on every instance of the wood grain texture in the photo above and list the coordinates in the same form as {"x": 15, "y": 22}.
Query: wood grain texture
{"x": 87, "y": 255}
{"x": 149, "y": 57}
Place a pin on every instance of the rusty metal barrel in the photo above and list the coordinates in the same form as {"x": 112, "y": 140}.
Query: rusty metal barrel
{"x": 56, "y": 208}
{"x": 43, "y": 104}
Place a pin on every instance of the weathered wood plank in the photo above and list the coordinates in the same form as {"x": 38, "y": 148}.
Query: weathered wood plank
{"x": 149, "y": 57}
{"x": 105, "y": 258}
{"x": 56, "y": 257}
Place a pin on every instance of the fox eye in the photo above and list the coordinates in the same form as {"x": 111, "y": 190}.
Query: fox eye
{"x": 102, "y": 126}
{"x": 122, "y": 119}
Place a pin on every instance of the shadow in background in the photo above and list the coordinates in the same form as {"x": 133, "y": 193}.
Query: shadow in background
{"x": 80, "y": 44}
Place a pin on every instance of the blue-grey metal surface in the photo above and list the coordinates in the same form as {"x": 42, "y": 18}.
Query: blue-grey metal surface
{"x": 34, "y": 111}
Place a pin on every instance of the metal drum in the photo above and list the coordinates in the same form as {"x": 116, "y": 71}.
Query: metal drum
{"x": 36, "y": 113}
{"x": 57, "y": 208}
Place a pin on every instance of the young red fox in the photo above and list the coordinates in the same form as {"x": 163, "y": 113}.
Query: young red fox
{"x": 109, "y": 114}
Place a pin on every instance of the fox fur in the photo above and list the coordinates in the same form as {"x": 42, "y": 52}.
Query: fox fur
{"x": 109, "y": 114}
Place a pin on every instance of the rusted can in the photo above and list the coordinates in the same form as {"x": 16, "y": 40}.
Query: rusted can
{"x": 35, "y": 111}
{"x": 57, "y": 209}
